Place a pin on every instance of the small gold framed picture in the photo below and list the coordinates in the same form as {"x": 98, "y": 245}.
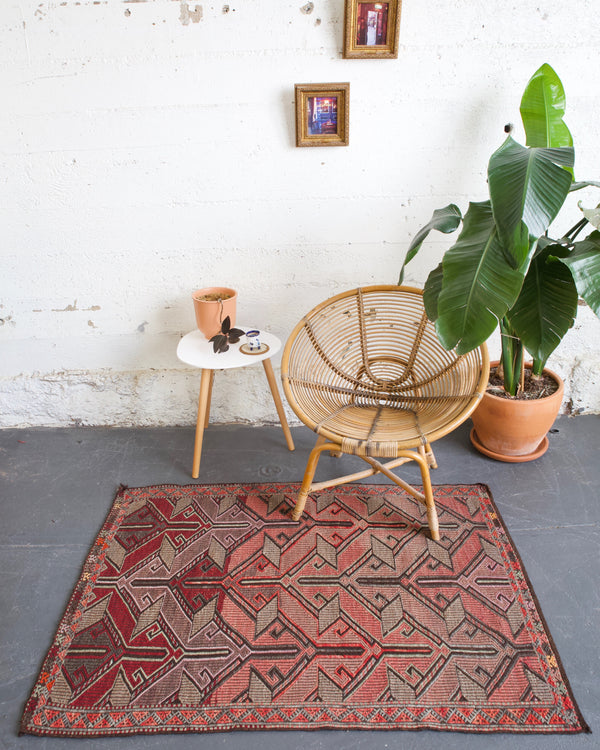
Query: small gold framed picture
{"x": 322, "y": 114}
{"x": 371, "y": 29}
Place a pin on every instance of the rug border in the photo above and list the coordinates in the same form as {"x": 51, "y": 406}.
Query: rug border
{"x": 585, "y": 728}
{"x": 78, "y": 589}
{"x": 91, "y": 560}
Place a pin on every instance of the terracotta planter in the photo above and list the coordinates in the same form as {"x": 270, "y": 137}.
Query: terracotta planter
{"x": 212, "y": 305}
{"x": 515, "y": 430}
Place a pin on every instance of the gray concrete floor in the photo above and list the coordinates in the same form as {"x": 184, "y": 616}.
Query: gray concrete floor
{"x": 57, "y": 485}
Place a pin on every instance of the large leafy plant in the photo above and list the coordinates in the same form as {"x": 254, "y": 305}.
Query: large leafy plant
{"x": 504, "y": 269}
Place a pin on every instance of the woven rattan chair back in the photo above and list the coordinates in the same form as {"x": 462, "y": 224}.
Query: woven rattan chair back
{"x": 366, "y": 372}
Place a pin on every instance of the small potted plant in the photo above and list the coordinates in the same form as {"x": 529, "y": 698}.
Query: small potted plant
{"x": 212, "y": 306}
{"x": 505, "y": 270}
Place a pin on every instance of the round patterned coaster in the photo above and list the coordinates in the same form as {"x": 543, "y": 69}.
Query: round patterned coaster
{"x": 245, "y": 349}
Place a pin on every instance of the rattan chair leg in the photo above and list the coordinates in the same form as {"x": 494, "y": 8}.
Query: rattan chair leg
{"x": 385, "y": 469}
{"x": 347, "y": 478}
{"x": 432, "y": 517}
{"x": 320, "y": 446}
{"x": 427, "y": 453}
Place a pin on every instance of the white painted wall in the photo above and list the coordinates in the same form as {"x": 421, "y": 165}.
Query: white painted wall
{"x": 148, "y": 149}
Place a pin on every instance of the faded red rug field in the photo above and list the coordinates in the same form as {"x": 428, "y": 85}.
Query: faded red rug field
{"x": 205, "y": 608}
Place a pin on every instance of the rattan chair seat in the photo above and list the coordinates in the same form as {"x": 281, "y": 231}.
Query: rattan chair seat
{"x": 366, "y": 366}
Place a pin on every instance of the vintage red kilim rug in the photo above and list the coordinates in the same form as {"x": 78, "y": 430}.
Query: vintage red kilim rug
{"x": 205, "y": 608}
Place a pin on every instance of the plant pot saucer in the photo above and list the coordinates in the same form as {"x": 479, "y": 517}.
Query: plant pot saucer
{"x": 539, "y": 451}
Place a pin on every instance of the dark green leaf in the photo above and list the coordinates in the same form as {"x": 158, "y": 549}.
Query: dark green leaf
{"x": 444, "y": 220}
{"x": 431, "y": 293}
{"x": 225, "y": 325}
{"x": 236, "y": 332}
{"x": 546, "y": 306}
{"x": 542, "y": 110}
{"x": 550, "y": 247}
{"x": 579, "y": 185}
{"x": 478, "y": 285}
{"x": 584, "y": 263}
{"x": 527, "y": 185}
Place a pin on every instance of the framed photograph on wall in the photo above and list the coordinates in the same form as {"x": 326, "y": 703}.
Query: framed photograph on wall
{"x": 371, "y": 29}
{"x": 322, "y": 114}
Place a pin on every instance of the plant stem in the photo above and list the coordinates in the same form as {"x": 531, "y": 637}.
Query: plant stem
{"x": 537, "y": 367}
{"x": 575, "y": 230}
{"x": 512, "y": 358}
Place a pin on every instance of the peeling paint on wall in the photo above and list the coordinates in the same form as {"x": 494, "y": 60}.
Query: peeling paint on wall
{"x": 134, "y": 398}
{"x": 90, "y": 2}
{"x": 73, "y": 308}
{"x": 68, "y": 308}
{"x": 186, "y": 15}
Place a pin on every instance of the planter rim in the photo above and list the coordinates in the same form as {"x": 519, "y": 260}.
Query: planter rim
{"x": 554, "y": 375}
{"x": 213, "y": 290}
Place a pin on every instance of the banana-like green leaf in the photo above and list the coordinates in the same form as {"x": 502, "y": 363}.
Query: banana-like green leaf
{"x": 579, "y": 185}
{"x": 545, "y": 242}
{"x": 529, "y": 185}
{"x": 431, "y": 293}
{"x": 546, "y": 306}
{"x": 478, "y": 285}
{"x": 584, "y": 263}
{"x": 445, "y": 220}
{"x": 542, "y": 110}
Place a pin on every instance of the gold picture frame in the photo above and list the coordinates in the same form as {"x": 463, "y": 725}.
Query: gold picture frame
{"x": 322, "y": 114}
{"x": 371, "y": 29}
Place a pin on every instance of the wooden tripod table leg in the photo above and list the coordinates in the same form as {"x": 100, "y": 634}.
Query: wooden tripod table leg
{"x": 278, "y": 405}
{"x": 203, "y": 410}
{"x": 210, "y": 387}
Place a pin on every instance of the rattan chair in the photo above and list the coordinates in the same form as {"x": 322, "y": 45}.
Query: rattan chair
{"x": 366, "y": 372}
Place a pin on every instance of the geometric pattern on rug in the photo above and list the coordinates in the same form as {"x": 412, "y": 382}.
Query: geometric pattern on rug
{"x": 206, "y": 608}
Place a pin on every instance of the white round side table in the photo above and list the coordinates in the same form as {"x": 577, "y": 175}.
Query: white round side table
{"x": 194, "y": 349}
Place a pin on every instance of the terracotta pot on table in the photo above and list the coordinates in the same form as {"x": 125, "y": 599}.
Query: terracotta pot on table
{"x": 210, "y": 313}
